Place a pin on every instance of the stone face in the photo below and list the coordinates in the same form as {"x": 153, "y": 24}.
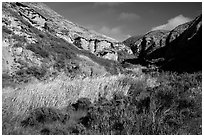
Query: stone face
{"x": 111, "y": 56}
{"x": 92, "y": 46}
{"x": 65, "y": 37}
{"x": 179, "y": 49}
{"x": 84, "y": 44}
{"x": 33, "y": 17}
{"x": 100, "y": 46}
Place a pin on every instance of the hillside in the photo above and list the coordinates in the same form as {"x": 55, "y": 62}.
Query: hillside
{"x": 59, "y": 78}
{"x": 38, "y": 42}
{"x": 176, "y": 50}
{"x": 128, "y": 42}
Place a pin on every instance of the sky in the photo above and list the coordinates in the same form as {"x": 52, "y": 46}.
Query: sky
{"x": 121, "y": 20}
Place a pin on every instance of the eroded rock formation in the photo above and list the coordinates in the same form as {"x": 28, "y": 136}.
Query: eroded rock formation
{"x": 43, "y": 18}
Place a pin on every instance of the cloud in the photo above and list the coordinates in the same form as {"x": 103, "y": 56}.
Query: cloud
{"x": 110, "y": 4}
{"x": 172, "y": 23}
{"x": 128, "y": 16}
{"x": 89, "y": 26}
{"x": 128, "y": 36}
{"x": 115, "y": 32}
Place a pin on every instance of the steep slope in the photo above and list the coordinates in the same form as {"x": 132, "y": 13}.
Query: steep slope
{"x": 184, "y": 49}
{"x": 39, "y": 42}
{"x": 179, "y": 49}
{"x": 73, "y": 33}
{"x": 128, "y": 42}
{"x": 148, "y": 48}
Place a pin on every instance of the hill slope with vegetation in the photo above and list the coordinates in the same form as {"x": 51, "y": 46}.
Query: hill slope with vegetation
{"x": 62, "y": 79}
{"x": 39, "y": 43}
{"x": 176, "y": 50}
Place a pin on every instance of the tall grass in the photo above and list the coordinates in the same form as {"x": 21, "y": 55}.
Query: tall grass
{"x": 63, "y": 91}
{"x": 166, "y": 103}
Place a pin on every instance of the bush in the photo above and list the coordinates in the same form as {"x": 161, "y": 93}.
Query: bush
{"x": 38, "y": 49}
{"x": 44, "y": 115}
{"x": 24, "y": 75}
{"x": 6, "y": 30}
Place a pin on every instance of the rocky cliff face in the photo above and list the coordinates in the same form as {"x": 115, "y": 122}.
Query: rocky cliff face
{"x": 179, "y": 49}
{"x": 36, "y": 38}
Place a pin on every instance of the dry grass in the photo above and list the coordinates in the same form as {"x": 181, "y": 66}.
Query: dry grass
{"x": 62, "y": 91}
{"x": 173, "y": 107}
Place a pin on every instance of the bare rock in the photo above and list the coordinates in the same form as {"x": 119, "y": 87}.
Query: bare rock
{"x": 92, "y": 46}
{"x": 102, "y": 45}
{"x": 84, "y": 44}
{"x": 111, "y": 56}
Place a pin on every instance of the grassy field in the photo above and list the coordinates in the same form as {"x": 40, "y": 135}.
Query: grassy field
{"x": 159, "y": 103}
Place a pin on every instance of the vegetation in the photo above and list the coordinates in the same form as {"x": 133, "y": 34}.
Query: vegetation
{"x": 6, "y": 30}
{"x": 51, "y": 101}
{"x": 160, "y": 103}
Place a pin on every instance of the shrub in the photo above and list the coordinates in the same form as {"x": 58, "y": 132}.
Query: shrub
{"x": 6, "y": 30}
{"x": 38, "y": 49}
{"x": 44, "y": 115}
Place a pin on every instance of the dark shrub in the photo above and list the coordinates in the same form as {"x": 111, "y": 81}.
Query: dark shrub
{"x": 38, "y": 49}
{"x": 45, "y": 131}
{"x": 86, "y": 121}
{"x": 6, "y": 30}
{"x": 36, "y": 72}
{"x": 82, "y": 103}
{"x": 43, "y": 115}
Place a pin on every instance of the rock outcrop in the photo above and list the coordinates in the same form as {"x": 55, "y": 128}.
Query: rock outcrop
{"x": 43, "y": 18}
{"x": 179, "y": 49}
{"x": 37, "y": 38}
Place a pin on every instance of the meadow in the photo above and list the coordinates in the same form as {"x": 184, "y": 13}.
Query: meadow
{"x": 135, "y": 103}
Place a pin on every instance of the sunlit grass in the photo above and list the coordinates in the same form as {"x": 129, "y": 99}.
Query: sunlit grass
{"x": 164, "y": 103}
{"x": 63, "y": 91}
